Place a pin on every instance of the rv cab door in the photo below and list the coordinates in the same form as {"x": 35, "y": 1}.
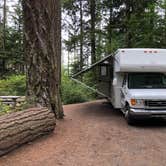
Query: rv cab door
{"x": 124, "y": 91}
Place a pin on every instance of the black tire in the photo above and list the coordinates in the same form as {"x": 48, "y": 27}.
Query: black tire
{"x": 129, "y": 118}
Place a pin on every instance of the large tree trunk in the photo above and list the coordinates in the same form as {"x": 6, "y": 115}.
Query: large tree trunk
{"x": 22, "y": 127}
{"x": 4, "y": 36}
{"x": 42, "y": 25}
{"x": 128, "y": 35}
{"x": 110, "y": 26}
{"x": 93, "y": 29}
{"x": 81, "y": 35}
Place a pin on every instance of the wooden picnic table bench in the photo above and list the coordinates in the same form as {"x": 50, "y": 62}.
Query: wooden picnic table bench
{"x": 11, "y": 100}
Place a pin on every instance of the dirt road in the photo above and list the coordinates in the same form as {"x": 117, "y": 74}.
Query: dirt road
{"x": 92, "y": 134}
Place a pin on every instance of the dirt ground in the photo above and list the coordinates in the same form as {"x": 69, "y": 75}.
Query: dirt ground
{"x": 93, "y": 134}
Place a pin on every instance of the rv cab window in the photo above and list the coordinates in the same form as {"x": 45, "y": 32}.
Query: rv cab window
{"x": 147, "y": 81}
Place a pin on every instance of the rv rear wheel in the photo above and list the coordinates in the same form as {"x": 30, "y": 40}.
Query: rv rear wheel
{"x": 128, "y": 116}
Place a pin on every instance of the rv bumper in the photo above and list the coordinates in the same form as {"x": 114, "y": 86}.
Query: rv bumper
{"x": 148, "y": 113}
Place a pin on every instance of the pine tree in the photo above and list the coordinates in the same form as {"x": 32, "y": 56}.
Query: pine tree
{"x": 42, "y": 25}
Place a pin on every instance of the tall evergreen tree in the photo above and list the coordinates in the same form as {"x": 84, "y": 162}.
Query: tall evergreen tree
{"x": 110, "y": 24}
{"x": 92, "y": 30}
{"x": 42, "y": 27}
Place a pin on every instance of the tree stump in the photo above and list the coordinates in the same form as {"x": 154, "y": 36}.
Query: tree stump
{"x": 22, "y": 127}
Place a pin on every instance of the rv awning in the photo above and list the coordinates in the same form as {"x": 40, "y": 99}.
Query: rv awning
{"x": 94, "y": 65}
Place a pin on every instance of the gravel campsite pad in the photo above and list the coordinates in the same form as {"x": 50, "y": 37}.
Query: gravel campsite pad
{"x": 93, "y": 134}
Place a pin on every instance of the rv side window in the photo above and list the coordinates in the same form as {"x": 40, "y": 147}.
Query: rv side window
{"x": 103, "y": 70}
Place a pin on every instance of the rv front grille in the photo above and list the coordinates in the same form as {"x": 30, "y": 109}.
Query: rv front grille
{"x": 155, "y": 103}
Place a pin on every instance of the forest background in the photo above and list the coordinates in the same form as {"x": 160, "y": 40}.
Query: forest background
{"x": 91, "y": 30}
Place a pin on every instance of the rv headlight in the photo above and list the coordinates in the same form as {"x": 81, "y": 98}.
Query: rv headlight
{"x": 137, "y": 102}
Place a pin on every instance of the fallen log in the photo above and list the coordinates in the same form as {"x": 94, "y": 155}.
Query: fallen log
{"x": 22, "y": 127}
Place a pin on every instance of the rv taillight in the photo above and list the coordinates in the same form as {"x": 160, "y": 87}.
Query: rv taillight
{"x": 150, "y": 52}
{"x": 145, "y": 51}
{"x": 155, "y": 52}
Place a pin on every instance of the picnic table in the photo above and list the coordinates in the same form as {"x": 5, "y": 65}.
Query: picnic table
{"x": 11, "y": 100}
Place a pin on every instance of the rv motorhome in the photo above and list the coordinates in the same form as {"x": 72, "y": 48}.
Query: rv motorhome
{"x": 134, "y": 80}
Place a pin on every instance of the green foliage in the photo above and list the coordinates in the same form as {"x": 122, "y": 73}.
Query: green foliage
{"x": 118, "y": 24}
{"x": 4, "y": 109}
{"x": 30, "y": 103}
{"x": 11, "y": 47}
{"x": 73, "y": 92}
{"x": 13, "y": 85}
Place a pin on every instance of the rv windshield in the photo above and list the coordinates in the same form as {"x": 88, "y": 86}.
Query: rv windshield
{"x": 147, "y": 81}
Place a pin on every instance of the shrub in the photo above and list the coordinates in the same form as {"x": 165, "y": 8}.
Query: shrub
{"x": 14, "y": 85}
{"x": 4, "y": 108}
{"x": 73, "y": 92}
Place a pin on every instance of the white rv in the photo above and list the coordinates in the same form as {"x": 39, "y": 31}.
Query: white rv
{"x": 134, "y": 80}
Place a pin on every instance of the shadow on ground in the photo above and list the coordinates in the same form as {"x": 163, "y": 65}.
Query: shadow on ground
{"x": 101, "y": 109}
{"x": 152, "y": 123}
{"x": 105, "y": 109}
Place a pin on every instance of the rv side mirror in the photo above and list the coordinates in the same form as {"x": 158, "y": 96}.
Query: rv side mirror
{"x": 114, "y": 82}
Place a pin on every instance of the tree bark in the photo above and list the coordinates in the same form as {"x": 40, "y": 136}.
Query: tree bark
{"x": 81, "y": 35}
{"x": 42, "y": 25}
{"x": 110, "y": 27}
{"x": 128, "y": 35}
{"x": 22, "y": 127}
{"x": 4, "y": 36}
{"x": 93, "y": 35}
